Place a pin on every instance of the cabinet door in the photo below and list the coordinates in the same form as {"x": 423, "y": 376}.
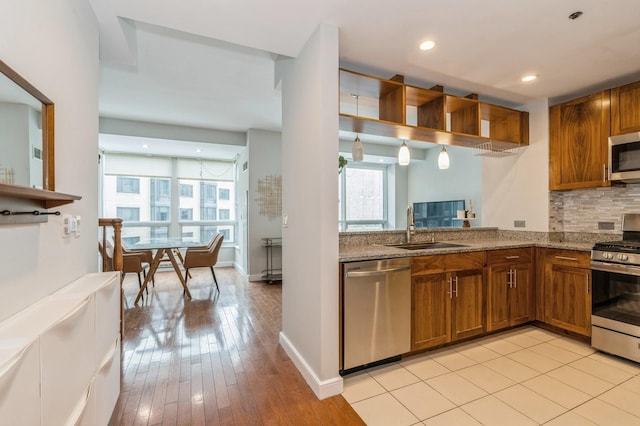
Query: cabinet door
{"x": 520, "y": 294}
{"x": 468, "y": 312}
{"x": 625, "y": 109}
{"x": 578, "y": 132}
{"x": 568, "y": 298}
{"x": 498, "y": 297}
{"x": 431, "y": 311}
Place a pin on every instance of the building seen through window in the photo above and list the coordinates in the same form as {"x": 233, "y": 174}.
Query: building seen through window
{"x": 363, "y": 197}
{"x": 195, "y": 209}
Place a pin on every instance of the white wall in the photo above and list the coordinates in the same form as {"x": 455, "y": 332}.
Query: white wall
{"x": 461, "y": 181}
{"x": 310, "y": 201}
{"x": 516, "y": 187}
{"x": 54, "y": 45}
{"x": 242, "y": 201}
{"x": 264, "y": 160}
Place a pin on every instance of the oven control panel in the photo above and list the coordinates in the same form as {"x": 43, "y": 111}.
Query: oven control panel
{"x": 628, "y": 258}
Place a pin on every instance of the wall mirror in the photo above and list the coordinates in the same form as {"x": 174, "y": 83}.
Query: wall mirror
{"x": 26, "y": 133}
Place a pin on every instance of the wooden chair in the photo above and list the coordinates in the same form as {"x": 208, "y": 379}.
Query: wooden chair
{"x": 146, "y": 257}
{"x": 180, "y": 257}
{"x": 132, "y": 262}
{"x": 207, "y": 257}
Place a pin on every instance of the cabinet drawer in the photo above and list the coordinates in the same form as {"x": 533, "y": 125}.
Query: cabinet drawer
{"x": 510, "y": 256}
{"x": 447, "y": 262}
{"x": 580, "y": 259}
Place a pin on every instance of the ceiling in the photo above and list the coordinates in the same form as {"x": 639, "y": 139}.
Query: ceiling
{"x": 210, "y": 63}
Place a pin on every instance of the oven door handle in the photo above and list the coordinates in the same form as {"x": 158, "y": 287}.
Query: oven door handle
{"x": 615, "y": 268}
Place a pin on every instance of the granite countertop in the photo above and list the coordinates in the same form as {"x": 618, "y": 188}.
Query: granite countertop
{"x": 379, "y": 251}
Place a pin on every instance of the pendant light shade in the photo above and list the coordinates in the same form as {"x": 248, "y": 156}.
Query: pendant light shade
{"x": 404, "y": 157}
{"x": 443, "y": 159}
{"x": 357, "y": 152}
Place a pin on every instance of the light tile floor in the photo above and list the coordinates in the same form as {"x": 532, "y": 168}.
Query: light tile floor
{"x": 525, "y": 376}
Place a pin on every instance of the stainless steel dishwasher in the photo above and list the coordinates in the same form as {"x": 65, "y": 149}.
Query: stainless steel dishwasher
{"x": 376, "y": 312}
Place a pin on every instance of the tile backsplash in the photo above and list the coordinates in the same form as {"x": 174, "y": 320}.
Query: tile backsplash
{"x": 580, "y": 210}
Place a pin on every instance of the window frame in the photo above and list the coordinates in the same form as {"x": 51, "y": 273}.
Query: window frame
{"x": 343, "y": 222}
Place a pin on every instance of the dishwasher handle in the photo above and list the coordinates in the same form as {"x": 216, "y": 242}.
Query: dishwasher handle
{"x": 373, "y": 273}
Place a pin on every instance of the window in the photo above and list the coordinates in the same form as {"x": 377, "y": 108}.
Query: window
{"x": 363, "y": 197}
{"x": 208, "y": 193}
{"x": 186, "y": 214}
{"x": 186, "y": 190}
{"x": 159, "y": 232}
{"x": 207, "y": 232}
{"x": 159, "y": 214}
{"x": 128, "y": 214}
{"x": 127, "y": 185}
{"x": 169, "y": 201}
{"x": 160, "y": 191}
{"x": 208, "y": 213}
{"x": 129, "y": 241}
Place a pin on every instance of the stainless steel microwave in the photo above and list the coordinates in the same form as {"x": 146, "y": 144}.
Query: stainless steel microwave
{"x": 624, "y": 158}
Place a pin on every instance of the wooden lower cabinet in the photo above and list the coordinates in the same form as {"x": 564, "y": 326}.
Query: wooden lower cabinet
{"x": 447, "y": 305}
{"x": 509, "y": 288}
{"x": 567, "y": 290}
{"x": 431, "y": 311}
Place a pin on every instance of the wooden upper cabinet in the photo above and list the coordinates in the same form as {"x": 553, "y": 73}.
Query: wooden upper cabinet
{"x": 625, "y": 109}
{"x": 391, "y": 108}
{"x": 578, "y": 133}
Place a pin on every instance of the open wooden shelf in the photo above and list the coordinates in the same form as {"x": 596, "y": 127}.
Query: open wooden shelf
{"x": 430, "y": 115}
{"x": 47, "y": 199}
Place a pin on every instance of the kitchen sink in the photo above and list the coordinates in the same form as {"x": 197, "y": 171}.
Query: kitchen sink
{"x": 424, "y": 245}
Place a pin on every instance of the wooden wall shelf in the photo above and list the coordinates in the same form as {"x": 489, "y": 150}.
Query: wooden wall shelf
{"x": 429, "y": 115}
{"x": 46, "y": 199}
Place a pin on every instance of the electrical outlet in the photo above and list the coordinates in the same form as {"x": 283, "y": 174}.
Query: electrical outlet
{"x": 519, "y": 224}
{"x": 77, "y": 220}
{"x": 606, "y": 225}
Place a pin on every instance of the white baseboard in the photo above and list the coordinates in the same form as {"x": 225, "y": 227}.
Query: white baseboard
{"x": 322, "y": 388}
{"x": 254, "y": 277}
{"x": 239, "y": 269}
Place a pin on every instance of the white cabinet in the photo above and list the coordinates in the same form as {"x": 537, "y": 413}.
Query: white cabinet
{"x": 60, "y": 357}
{"x": 20, "y": 382}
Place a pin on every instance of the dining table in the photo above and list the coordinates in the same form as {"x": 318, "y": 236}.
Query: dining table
{"x": 164, "y": 246}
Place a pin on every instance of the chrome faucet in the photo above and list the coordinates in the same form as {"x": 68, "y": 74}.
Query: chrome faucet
{"x": 411, "y": 225}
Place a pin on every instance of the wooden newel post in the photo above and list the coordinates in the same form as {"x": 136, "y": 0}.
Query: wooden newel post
{"x": 117, "y": 244}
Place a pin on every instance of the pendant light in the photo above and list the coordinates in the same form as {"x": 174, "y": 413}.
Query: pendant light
{"x": 443, "y": 159}
{"x": 357, "y": 151}
{"x": 404, "y": 157}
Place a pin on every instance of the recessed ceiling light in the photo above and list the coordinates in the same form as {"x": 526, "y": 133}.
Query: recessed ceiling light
{"x": 529, "y": 77}
{"x": 198, "y": 150}
{"x": 427, "y": 45}
{"x": 145, "y": 146}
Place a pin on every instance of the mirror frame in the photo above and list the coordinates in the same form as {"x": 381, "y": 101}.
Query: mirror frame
{"x": 48, "y": 153}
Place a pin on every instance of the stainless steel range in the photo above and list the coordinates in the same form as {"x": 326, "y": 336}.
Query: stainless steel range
{"x": 615, "y": 315}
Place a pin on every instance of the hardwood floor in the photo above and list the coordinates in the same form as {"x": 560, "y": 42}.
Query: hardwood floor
{"x": 214, "y": 359}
